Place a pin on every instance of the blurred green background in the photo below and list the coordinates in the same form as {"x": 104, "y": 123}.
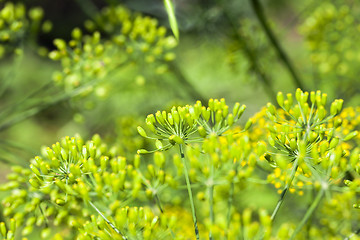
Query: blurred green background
{"x": 224, "y": 50}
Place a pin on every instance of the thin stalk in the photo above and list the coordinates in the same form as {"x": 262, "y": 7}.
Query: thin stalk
{"x": 309, "y": 212}
{"x": 211, "y": 199}
{"x": 88, "y": 7}
{"x": 230, "y": 201}
{"x": 36, "y": 109}
{"x": 107, "y": 221}
{"x": 158, "y": 202}
{"x": 188, "y": 185}
{"x": 259, "y": 12}
{"x": 211, "y": 208}
{"x": 190, "y": 89}
{"x": 283, "y": 193}
{"x": 253, "y": 59}
{"x": 157, "y": 199}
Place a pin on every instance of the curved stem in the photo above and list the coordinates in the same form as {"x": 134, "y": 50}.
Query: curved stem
{"x": 259, "y": 12}
{"x": 107, "y": 221}
{"x": 283, "y": 193}
{"x": 211, "y": 203}
{"x": 190, "y": 89}
{"x": 308, "y": 213}
{"x": 251, "y": 56}
{"x": 188, "y": 185}
{"x": 211, "y": 198}
{"x": 230, "y": 201}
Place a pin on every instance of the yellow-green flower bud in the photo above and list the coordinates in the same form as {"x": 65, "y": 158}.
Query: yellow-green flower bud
{"x": 206, "y": 112}
{"x": 298, "y": 95}
{"x": 218, "y": 116}
{"x": 36, "y": 13}
{"x": 35, "y": 170}
{"x": 142, "y": 151}
{"x": 323, "y": 99}
{"x": 158, "y": 144}
{"x": 159, "y": 118}
{"x": 333, "y": 143}
{"x": 141, "y": 131}
{"x": 248, "y": 124}
{"x": 246, "y": 217}
{"x": 290, "y": 99}
{"x": 3, "y": 229}
{"x": 211, "y": 104}
{"x": 159, "y": 159}
{"x": 176, "y": 139}
{"x": 271, "y": 109}
{"x": 137, "y": 161}
{"x": 351, "y": 135}
{"x": 312, "y": 97}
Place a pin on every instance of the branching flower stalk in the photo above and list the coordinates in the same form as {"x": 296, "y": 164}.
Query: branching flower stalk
{"x": 309, "y": 212}
{"x": 178, "y": 127}
{"x": 285, "y": 190}
{"x": 188, "y": 185}
{"x": 107, "y": 221}
{"x": 303, "y": 127}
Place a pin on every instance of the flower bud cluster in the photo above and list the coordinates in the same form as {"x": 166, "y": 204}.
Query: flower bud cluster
{"x": 331, "y": 32}
{"x": 85, "y": 60}
{"x": 216, "y": 118}
{"x": 229, "y": 155}
{"x": 8, "y": 233}
{"x": 305, "y": 132}
{"x": 296, "y": 128}
{"x": 58, "y": 185}
{"x": 134, "y": 222}
{"x": 339, "y": 206}
{"x": 251, "y": 228}
{"x": 118, "y": 39}
{"x": 135, "y": 33}
{"x": 14, "y": 25}
{"x": 179, "y": 124}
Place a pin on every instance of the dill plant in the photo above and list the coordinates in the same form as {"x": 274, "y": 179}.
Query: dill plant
{"x": 78, "y": 189}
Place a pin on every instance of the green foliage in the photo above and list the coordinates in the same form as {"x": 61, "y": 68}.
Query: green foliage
{"x": 331, "y": 32}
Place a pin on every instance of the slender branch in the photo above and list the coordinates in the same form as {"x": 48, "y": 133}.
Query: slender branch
{"x": 88, "y": 7}
{"x": 230, "y": 201}
{"x": 283, "y": 193}
{"x": 188, "y": 185}
{"x": 251, "y": 56}
{"x": 38, "y": 108}
{"x": 211, "y": 199}
{"x": 191, "y": 90}
{"x": 157, "y": 199}
{"x": 259, "y": 12}
{"x": 309, "y": 212}
{"x": 107, "y": 221}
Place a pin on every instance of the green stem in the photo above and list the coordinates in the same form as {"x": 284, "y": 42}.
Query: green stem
{"x": 309, "y": 212}
{"x": 188, "y": 185}
{"x": 190, "y": 89}
{"x": 31, "y": 111}
{"x": 230, "y": 201}
{"x": 158, "y": 202}
{"x": 157, "y": 199}
{"x": 259, "y": 12}
{"x": 211, "y": 206}
{"x": 283, "y": 193}
{"x": 211, "y": 186}
{"x": 88, "y": 7}
{"x": 107, "y": 221}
